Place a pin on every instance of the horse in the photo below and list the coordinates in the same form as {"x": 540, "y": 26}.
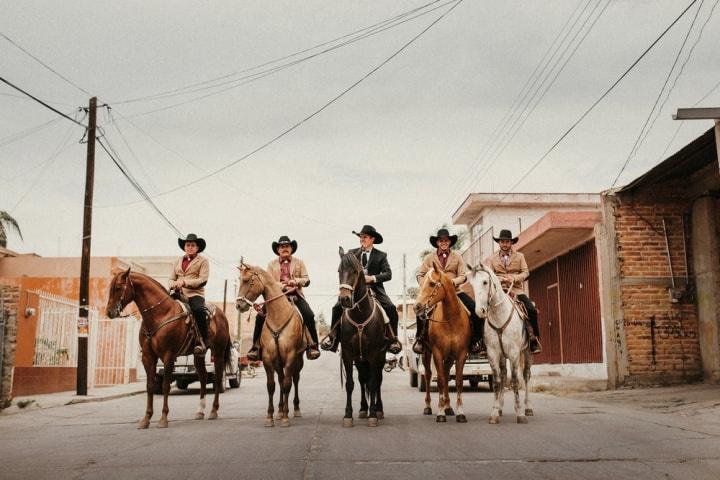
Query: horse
{"x": 449, "y": 335}
{"x": 506, "y": 339}
{"x": 363, "y": 343}
{"x": 168, "y": 331}
{"x": 282, "y": 339}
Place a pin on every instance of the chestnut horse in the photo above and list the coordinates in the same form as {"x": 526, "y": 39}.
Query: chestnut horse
{"x": 282, "y": 340}
{"x": 506, "y": 339}
{"x": 168, "y": 332}
{"x": 448, "y": 338}
{"x": 363, "y": 343}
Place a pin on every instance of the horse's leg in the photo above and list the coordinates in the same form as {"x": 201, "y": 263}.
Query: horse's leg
{"x": 373, "y": 383}
{"x": 363, "y": 379}
{"x": 270, "y": 381}
{"x": 459, "y": 366}
{"x": 503, "y": 374}
{"x": 202, "y": 377}
{"x": 442, "y": 384}
{"x": 526, "y": 376}
{"x": 494, "y": 358}
{"x": 515, "y": 384}
{"x": 380, "y": 410}
{"x": 286, "y": 385}
{"x": 149, "y": 362}
{"x": 219, "y": 381}
{"x": 427, "y": 378}
{"x": 169, "y": 362}
{"x": 296, "y": 401}
{"x": 349, "y": 386}
{"x": 447, "y": 364}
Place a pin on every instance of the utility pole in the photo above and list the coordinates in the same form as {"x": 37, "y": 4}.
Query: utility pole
{"x": 82, "y": 370}
{"x": 225, "y": 296}
{"x": 404, "y": 301}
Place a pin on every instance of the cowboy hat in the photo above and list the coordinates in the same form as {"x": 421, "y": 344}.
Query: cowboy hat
{"x": 191, "y": 237}
{"x": 284, "y": 240}
{"x": 506, "y": 235}
{"x": 370, "y": 230}
{"x": 443, "y": 232}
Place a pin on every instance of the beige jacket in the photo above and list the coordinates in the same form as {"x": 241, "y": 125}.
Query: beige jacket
{"x": 517, "y": 269}
{"x": 298, "y": 272}
{"x": 195, "y": 277}
{"x": 454, "y": 267}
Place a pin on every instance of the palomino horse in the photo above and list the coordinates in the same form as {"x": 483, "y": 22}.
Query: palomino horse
{"x": 448, "y": 338}
{"x": 362, "y": 333}
{"x": 506, "y": 339}
{"x": 167, "y": 332}
{"x": 282, "y": 340}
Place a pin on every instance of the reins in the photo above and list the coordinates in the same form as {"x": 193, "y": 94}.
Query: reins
{"x": 500, "y": 330}
{"x": 359, "y": 326}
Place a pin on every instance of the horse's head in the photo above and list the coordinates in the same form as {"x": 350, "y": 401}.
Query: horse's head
{"x": 121, "y": 293}
{"x": 251, "y": 286}
{"x": 350, "y": 272}
{"x": 482, "y": 281}
{"x": 433, "y": 289}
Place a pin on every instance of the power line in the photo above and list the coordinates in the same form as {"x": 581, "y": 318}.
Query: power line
{"x": 41, "y": 102}
{"x": 636, "y": 145}
{"x": 26, "y": 133}
{"x": 44, "y": 64}
{"x": 312, "y": 115}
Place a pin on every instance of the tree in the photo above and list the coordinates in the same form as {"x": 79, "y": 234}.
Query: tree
{"x": 7, "y": 222}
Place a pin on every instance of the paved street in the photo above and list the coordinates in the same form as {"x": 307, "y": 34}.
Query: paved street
{"x": 569, "y": 438}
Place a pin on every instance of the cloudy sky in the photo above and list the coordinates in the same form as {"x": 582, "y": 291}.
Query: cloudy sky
{"x": 387, "y": 113}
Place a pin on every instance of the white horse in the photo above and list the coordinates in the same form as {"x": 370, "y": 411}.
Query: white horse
{"x": 505, "y": 339}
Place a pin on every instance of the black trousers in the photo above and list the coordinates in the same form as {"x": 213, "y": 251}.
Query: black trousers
{"x": 478, "y": 324}
{"x": 532, "y": 312}
{"x": 197, "y": 306}
{"x": 384, "y": 302}
{"x": 307, "y": 315}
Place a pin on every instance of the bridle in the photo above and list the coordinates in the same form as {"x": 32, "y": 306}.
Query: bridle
{"x": 427, "y": 309}
{"x": 250, "y": 303}
{"x": 492, "y": 290}
{"x": 345, "y": 286}
{"x": 119, "y": 305}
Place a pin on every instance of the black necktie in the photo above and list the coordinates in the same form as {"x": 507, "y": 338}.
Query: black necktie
{"x": 364, "y": 259}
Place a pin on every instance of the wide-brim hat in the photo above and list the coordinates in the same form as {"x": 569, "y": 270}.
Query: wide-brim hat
{"x": 191, "y": 237}
{"x": 443, "y": 232}
{"x": 284, "y": 240}
{"x": 370, "y": 230}
{"x": 506, "y": 235}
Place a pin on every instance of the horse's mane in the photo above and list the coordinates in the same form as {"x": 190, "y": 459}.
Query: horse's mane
{"x": 152, "y": 280}
{"x": 349, "y": 260}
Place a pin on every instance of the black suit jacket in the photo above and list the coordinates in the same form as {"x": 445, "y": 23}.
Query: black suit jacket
{"x": 379, "y": 267}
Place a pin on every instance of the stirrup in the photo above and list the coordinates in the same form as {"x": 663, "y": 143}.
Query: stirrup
{"x": 535, "y": 346}
{"x": 418, "y": 347}
{"x": 329, "y": 344}
{"x": 199, "y": 350}
{"x": 476, "y": 347}
{"x": 312, "y": 352}
{"x": 253, "y": 354}
{"x": 395, "y": 346}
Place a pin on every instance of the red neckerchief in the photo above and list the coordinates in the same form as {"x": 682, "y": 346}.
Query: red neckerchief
{"x": 443, "y": 257}
{"x": 284, "y": 270}
{"x": 186, "y": 261}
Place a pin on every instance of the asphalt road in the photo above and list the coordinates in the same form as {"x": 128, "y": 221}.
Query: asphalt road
{"x": 568, "y": 438}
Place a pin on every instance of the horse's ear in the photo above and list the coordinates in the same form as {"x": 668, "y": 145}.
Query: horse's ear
{"x": 341, "y": 251}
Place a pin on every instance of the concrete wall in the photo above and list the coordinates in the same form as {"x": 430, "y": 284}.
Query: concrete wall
{"x": 10, "y": 296}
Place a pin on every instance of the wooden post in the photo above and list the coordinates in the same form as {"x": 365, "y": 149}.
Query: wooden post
{"x": 83, "y": 326}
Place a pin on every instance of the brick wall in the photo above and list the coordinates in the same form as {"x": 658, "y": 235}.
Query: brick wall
{"x": 662, "y": 336}
{"x": 10, "y": 296}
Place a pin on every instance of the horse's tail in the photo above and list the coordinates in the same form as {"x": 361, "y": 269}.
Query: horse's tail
{"x": 342, "y": 370}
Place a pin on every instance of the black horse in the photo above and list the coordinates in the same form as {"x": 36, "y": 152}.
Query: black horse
{"x": 363, "y": 343}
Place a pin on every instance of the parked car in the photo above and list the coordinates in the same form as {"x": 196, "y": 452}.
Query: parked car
{"x": 185, "y": 373}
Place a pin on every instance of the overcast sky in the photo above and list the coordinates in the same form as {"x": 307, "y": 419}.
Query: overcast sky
{"x": 400, "y": 150}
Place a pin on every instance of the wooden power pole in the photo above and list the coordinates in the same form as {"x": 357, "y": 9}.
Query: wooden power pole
{"x": 83, "y": 325}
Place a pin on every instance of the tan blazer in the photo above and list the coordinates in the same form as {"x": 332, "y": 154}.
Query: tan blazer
{"x": 517, "y": 269}
{"x": 454, "y": 267}
{"x": 298, "y": 272}
{"x": 195, "y": 277}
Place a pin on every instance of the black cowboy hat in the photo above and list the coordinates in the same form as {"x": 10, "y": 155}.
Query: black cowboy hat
{"x": 443, "y": 232}
{"x": 284, "y": 240}
{"x": 370, "y": 230}
{"x": 506, "y": 235}
{"x": 191, "y": 237}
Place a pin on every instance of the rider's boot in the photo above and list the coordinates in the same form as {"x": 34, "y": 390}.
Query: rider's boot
{"x": 312, "y": 352}
{"x": 420, "y": 336}
{"x": 254, "y": 353}
{"x": 200, "y": 349}
{"x": 477, "y": 346}
{"x": 394, "y": 345}
{"x": 332, "y": 341}
{"x": 533, "y": 341}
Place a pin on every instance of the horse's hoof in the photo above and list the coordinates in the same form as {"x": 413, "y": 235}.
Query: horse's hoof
{"x": 363, "y": 414}
{"x": 285, "y": 422}
{"x": 449, "y": 412}
{"x": 427, "y": 411}
{"x": 500, "y": 413}
{"x": 269, "y": 422}
{"x": 347, "y": 422}
{"x": 297, "y": 414}
{"x": 494, "y": 420}
{"x": 522, "y": 419}
{"x": 372, "y": 422}
{"x": 143, "y": 424}
{"x": 380, "y": 415}
{"x": 461, "y": 418}
{"x": 213, "y": 416}
{"x": 529, "y": 412}
{"x": 199, "y": 415}
{"x": 441, "y": 419}
{"x": 163, "y": 423}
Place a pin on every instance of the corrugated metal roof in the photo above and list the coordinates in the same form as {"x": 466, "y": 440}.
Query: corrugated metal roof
{"x": 692, "y": 157}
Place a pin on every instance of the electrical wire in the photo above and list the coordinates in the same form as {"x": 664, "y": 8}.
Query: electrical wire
{"x": 44, "y": 104}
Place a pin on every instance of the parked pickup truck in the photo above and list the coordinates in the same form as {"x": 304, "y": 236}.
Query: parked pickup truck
{"x": 185, "y": 372}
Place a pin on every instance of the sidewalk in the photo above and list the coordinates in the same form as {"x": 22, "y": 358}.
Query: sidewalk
{"x": 51, "y": 400}
{"x": 564, "y": 385}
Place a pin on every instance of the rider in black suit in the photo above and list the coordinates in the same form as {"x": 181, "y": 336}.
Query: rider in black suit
{"x": 377, "y": 271}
